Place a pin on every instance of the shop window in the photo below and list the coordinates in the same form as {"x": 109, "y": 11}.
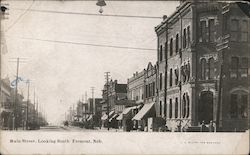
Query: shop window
{"x": 203, "y": 69}
{"x": 160, "y": 54}
{"x": 177, "y": 43}
{"x": 176, "y": 72}
{"x": 234, "y": 67}
{"x": 184, "y": 38}
{"x": 238, "y": 105}
{"x": 211, "y": 26}
{"x": 234, "y": 27}
{"x": 171, "y": 78}
{"x": 170, "y": 108}
{"x": 244, "y": 31}
{"x": 176, "y": 107}
{"x": 171, "y": 47}
{"x": 211, "y": 68}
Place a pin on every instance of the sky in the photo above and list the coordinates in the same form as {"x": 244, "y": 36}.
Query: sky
{"x": 55, "y": 45}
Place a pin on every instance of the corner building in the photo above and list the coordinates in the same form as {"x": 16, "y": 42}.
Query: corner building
{"x": 202, "y": 66}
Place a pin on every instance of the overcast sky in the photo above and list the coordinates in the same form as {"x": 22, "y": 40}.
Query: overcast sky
{"x": 61, "y": 72}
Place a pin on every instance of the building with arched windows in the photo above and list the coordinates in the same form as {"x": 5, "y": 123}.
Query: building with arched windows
{"x": 203, "y": 66}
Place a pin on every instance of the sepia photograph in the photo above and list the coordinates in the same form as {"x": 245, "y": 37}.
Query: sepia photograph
{"x": 124, "y": 77}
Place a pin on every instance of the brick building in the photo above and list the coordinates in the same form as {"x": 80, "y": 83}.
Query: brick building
{"x": 189, "y": 57}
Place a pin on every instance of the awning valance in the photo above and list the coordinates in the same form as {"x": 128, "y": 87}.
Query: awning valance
{"x": 145, "y": 109}
{"x": 113, "y": 117}
{"x": 120, "y": 117}
{"x": 90, "y": 117}
{"x": 105, "y": 116}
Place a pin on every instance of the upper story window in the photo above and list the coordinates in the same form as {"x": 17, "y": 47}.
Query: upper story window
{"x": 244, "y": 67}
{"x": 171, "y": 47}
{"x": 166, "y": 49}
{"x": 160, "y": 81}
{"x": 177, "y": 43}
{"x": 176, "y": 107}
{"x": 211, "y": 27}
{"x": 203, "y": 69}
{"x": 188, "y": 36}
{"x": 176, "y": 72}
{"x": 170, "y": 108}
{"x": 239, "y": 68}
{"x": 160, "y": 108}
{"x": 244, "y": 31}
{"x": 234, "y": 27}
{"x": 160, "y": 53}
{"x": 203, "y": 31}
{"x": 184, "y": 38}
{"x": 211, "y": 67}
{"x": 171, "y": 78}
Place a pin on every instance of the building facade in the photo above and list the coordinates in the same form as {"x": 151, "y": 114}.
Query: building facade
{"x": 194, "y": 86}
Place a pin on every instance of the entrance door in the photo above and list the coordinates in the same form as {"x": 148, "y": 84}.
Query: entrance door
{"x": 205, "y": 107}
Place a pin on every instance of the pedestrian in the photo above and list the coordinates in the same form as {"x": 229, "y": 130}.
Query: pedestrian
{"x": 203, "y": 126}
{"x": 211, "y": 126}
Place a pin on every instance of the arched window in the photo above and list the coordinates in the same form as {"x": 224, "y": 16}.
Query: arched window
{"x": 171, "y": 47}
{"x": 165, "y": 109}
{"x": 203, "y": 69}
{"x": 188, "y": 106}
{"x": 160, "y": 54}
{"x": 170, "y": 108}
{"x": 184, "y": 106}
{"x": 176, "y": 72}
{"x": 160, "y": 81}
{"x": 171, "y": 78}
{"x": 177, "y": 43}
{"x": 211, "y": 68}
{"x": 176, "y": 107}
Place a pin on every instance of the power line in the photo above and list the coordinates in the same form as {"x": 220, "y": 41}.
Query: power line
{"x": 85, "y": 44}
{"x": 89, "y": 14}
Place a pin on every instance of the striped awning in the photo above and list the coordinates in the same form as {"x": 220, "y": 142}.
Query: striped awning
{"x": 145, "y": 109}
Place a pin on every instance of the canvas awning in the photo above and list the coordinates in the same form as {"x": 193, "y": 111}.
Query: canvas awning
{"x": 90, "y": 117}
{"x": 120, "y": 117}
{"x": 145, "y": 109}
{"x": 114, "y": 116}
{"x": 105, "y": 116}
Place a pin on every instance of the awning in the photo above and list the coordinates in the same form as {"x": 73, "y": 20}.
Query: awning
{"x": 90, "y": 117}
{"x": 105, "y": 116}
{"x": 145, "y": 109}
{"x": 120, "y": 117}
{"x": 114, "y": 116}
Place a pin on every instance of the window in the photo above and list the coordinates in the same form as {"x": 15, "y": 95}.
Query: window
{"x": 176, "y": 107}
{"x": 160, "y": 53}
{"x": 233, "y": 106}
{"x": 171, "y": 78}
{"x": 166, "y": 49}
{"x": 211, "y": 68}
{"x": 176, "y": 72}
{"x": 188, "y": 105}
{"x": 244, "y": 31}
{"x": 184, "y": 106}
{"x": 188, "y": 71}
{"x": 238, "y": 105}
{"x": 153, "y": 89}
{"x": 171, "y": 47}
{"x": 234, "y": 29}
{"x": 234, "y": 67}
{"x": 211, "y": 30}
{"x": 160, "y": 81}
{"x": 160, "y": 109}
{"x": 177, "y": 43}
{"x": 188, "y": 36}
{"x": 244, "y": 67}
{"x": 183, "y": 73}
{"x": 203, "y": 31}
{"x": 203, "y": 69}
{"x": 170, "y": 108}
{"x": 146, "y": 91}
{"x": 184, "y": 38}
{"x": 165, "y": 109}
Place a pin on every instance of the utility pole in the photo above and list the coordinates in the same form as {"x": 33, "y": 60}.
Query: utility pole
{"x": 16, "y": 97}
{"x": 37, "y": 111}
{"x": 27, "y": 107}
{"x": 93, "y": 100}
{"x": 107, "y": 86}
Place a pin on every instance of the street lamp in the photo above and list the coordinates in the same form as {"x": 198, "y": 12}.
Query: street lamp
{"x": 100, "y": 3}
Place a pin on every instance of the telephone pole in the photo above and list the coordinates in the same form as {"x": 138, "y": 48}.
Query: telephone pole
{"x": 107, "y": 74}
{"x": 93, "y": 100}
{"x": 27, "y": 107}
